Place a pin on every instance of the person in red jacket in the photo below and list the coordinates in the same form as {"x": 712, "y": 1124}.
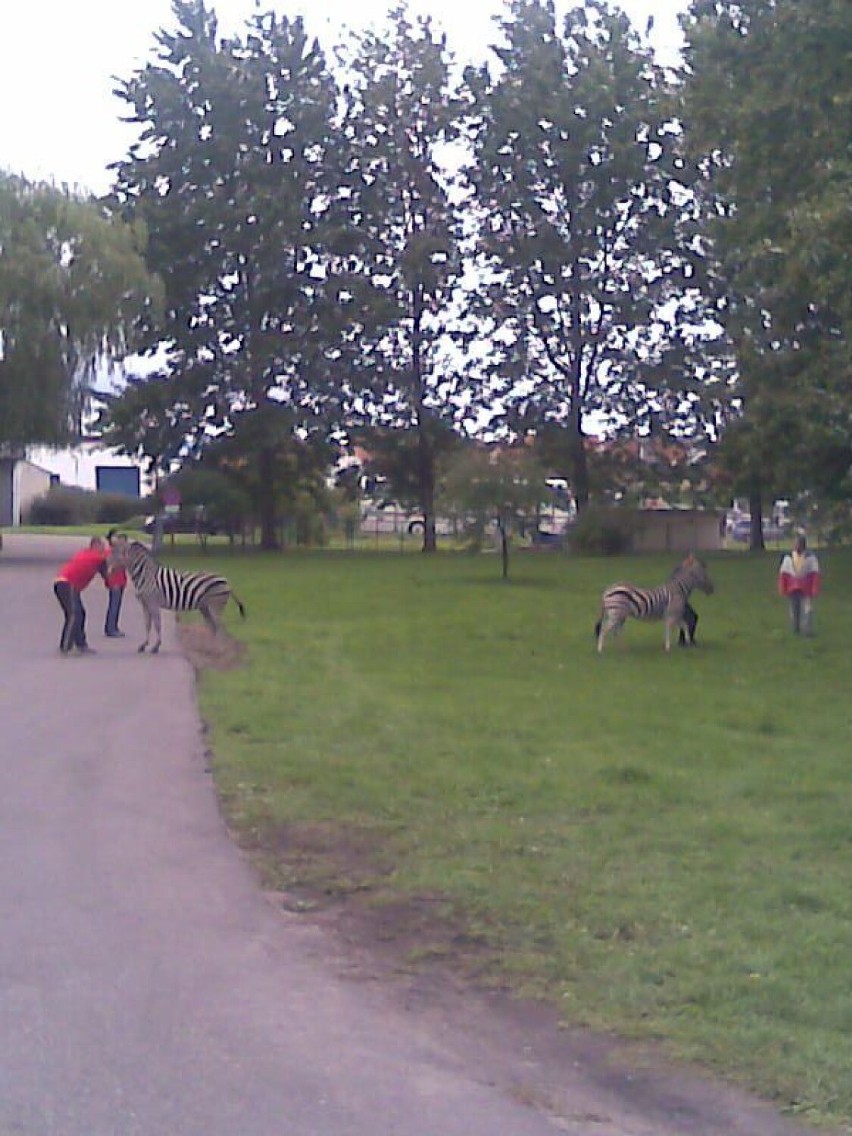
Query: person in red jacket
{"x": 75, "y": 575}
{"x": 115, "y": 581}
{"x": 798, "y": 580}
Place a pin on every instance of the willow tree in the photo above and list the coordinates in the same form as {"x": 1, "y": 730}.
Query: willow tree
{"x": 590, "y": 253}
{"x": 73, "y": 287}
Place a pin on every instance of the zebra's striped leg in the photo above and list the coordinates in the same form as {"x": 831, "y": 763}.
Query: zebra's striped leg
{"x": 147, "y": 616}
{"x": 209, "y": 617}
{"x": 608, "y": 626}
{"x": 155, "y": 619}
{"x": 601, "y": 633}
{"x": 670, "y": 623}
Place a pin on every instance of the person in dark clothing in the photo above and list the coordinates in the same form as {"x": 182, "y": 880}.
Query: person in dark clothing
{"x": 115, "y": 581}
{"x": 690, "y": 618}
{"x": 75, "y": 575}
{"x": 686, "y": 638}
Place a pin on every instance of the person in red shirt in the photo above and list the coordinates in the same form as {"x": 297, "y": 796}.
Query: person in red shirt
{"x": 115, "y": 581}
{"x": 799, "y": 581}
{"x": 75, "y": 575}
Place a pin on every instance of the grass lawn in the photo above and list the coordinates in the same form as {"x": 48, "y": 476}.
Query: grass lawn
{"x": 660, "y": 845}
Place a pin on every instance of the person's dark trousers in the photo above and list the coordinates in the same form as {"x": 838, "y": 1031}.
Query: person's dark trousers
{"x": 796, "y": 611}
{"x": 116, "y": 595}
{"x": 74, "y": 627}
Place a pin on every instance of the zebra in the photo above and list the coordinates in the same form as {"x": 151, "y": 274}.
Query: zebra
{"x": 158, "y": 586}
{"x": 669, "y": 602}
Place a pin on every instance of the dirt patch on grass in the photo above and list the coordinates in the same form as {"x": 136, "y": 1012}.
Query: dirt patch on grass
{"x": 339, "y": 878}
{"x": 210, "y": 652}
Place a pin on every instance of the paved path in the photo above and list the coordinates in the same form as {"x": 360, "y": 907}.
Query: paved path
{"x": 148, "y": 988}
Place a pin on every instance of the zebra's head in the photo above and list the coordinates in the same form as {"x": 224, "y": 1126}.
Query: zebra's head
{"x": 119, "y": 551}
{"x": 694, "y": 571}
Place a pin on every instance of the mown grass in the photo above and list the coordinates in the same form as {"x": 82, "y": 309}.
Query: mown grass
{"x": 661, "y": 845}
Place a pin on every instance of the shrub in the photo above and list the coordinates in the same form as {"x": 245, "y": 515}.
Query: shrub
{"x": 69, "y": 505}
{"x": 602, "y": 531}
{"x": 115, "y": 508}
{"x": 64, "y": 505}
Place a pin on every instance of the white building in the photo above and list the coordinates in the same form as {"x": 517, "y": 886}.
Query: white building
{"x": 28, "y": 473}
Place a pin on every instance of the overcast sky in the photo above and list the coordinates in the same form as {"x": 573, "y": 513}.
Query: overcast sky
{"x": 60, "y": 121}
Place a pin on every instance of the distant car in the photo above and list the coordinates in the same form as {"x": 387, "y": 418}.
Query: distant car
{"x": 183, "y": 523}
{"x": 740, "y": 531}
{"x": 773, "y": 531}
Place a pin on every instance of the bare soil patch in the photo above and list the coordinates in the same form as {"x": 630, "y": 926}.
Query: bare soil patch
{"x": 207, "y": 652}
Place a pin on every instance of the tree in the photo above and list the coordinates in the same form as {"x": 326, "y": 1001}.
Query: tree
{"x": 395, "y": 458}
{"x": 766, "y": 107}
{"x": 73, "y": 285}
{"x": 233, "y": 177}
{"x": 401, "y": 118}
{"x": 212, "y": 500}
{"x": 151, "y": 418}
{"x": 590, "y": 248}
{"x": 505, "y": 485}
{"x": 296, "y": 466}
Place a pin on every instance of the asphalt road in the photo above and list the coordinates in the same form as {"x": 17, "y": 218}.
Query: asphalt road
{"x": 149, "y": 988}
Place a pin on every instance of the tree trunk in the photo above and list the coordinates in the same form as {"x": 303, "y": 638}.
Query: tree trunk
{"x": 427, "y": 493}
{"x": 504, "y": 548}
{"x": 579, "y": 462}
{"x": 755, "y": 504}
{"x": 266, "y": 500}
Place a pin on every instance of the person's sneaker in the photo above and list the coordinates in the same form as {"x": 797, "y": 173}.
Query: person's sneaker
{"x": 114, "y": 634}
{"x": 87, "y": 650}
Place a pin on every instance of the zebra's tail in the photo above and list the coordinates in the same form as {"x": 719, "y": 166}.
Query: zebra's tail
{"x": 239, "y": 604}
{"x": 598, "y": 628}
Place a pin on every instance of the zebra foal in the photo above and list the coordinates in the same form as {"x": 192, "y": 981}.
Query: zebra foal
{"x": 158, "y": 586}
{"x": 667, "y": 602}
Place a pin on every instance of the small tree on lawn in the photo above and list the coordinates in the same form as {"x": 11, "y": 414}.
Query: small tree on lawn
{"x": 503, "y": 485}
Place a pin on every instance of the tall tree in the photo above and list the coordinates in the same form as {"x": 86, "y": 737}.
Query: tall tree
{"x": 767, "y": 111}
{"x": 231, "y": 177}
{"x": 400, "y": 124}
{"x": 591, "y": 254}
{"x": 73, "y": 284}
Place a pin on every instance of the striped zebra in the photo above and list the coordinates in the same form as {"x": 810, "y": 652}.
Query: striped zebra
{"x": 668, "y": 602}
{"x": 158, "y": 586}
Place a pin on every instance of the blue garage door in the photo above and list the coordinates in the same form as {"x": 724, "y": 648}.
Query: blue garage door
{"x": 122, "y": 479}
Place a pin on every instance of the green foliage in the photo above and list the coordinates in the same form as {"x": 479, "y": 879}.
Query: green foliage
{"x": 589, "y": 234}
{"x": 503, "y": 485}
{"x": 231, "y": 180}
{"x": 766, "y": 108}
{"x": 62, "y": 505}
{"x": 221, "y": 503}
{"x": 67, "y": 505}
{"x": 153, "y": 418}
{"x": 270, "y": 465}
{"x": 639, "y": 257}
{"x": 600, "y": 531}
{"x": 658, "y": 844}
{"x": 401, "y": 118}
{"x": 404, "y": 465}
{"x": 73, "y": 284}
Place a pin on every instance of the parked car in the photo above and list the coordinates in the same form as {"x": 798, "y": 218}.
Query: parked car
{"x": 184, "y": 522}
{"x": 740, "y": 530}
